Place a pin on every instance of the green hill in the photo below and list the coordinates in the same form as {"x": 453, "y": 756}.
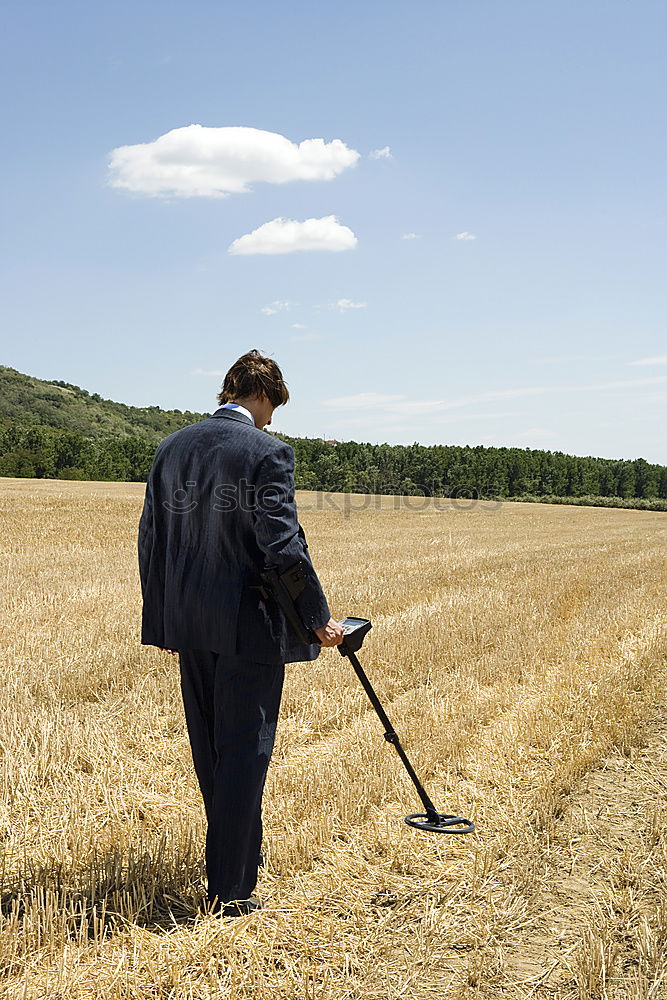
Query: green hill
{"x": 55, "y": 430}
{"x": 55, "y": 404}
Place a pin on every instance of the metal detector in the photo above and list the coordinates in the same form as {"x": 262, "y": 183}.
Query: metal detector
{"x": 285, "y": 588}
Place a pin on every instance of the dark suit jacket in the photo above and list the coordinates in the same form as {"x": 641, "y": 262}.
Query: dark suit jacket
{"x": 219, "y": 508}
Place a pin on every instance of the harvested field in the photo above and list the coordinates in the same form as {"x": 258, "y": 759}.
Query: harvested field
{"x": 521, "y": 653}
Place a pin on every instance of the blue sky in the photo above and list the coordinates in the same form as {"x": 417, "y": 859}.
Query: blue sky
{"x": 535, "y": 127}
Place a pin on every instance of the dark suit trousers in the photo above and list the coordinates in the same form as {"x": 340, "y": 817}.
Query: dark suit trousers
{"x": 231, "y": 709}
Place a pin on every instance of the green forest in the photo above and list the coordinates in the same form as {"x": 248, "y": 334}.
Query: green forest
{"x": 57, "y": 430}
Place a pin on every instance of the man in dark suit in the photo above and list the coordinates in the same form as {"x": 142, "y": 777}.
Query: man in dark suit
{"x": 219, "y": 508}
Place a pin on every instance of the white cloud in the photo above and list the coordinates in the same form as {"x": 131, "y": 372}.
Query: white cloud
{"x": 465, "y": 236}
{"x": 410, "y": 236}
{"x": 362, "y": 400}
{"x": 197, "y": 161}
{"x": 661, "y": 360}
{"x": 299, "y": 326}
{"x": 403, "y": 404}
{"x": 274, "y": 307}
{"x": 383, "y": 402}
{"x": 288, "y": 235}
{"x": 540, "y": 390}
{"x": 382, "y": 154}
{"x": 204, "y": 371}
{"x": 345, "y": 304}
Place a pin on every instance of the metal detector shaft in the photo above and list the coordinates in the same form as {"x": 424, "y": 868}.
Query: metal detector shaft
{"x": 431, "y": 820}
{"x": 392, "y": 737}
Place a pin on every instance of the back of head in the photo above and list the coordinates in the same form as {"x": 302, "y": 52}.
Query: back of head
{"x": 252, "y": 375}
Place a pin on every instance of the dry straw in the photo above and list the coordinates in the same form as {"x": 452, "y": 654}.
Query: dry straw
{"x": 520, "y": 653}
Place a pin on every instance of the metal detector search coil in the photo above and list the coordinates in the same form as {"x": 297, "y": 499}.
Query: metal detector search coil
{"x": 285, "y": 587}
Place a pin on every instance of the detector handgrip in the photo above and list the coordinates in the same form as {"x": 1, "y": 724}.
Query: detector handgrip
{"x": 285, "y": 587}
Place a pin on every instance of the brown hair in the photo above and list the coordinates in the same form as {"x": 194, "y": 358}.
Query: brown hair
{"x": 252, "y": 375}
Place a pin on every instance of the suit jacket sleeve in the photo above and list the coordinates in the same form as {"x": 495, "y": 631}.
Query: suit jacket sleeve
{"x": 279, "y": 534}
{"x": 145, "y": 539}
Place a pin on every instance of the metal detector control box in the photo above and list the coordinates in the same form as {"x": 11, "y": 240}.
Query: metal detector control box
{"x": 355, "y": 630}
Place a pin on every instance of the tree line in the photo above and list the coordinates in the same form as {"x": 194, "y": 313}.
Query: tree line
{"x": 28, "y": 451}
{"x": 476, "y": 471}
{"x": 36, "y": 451}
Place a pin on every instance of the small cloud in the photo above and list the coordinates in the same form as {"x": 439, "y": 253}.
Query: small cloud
{"x": 287, "y": 236}
{"x": 465, "y": 236}
{"x": 299, "y": 326}
{"x": 660, "y": 360}
{"x": 204, "y": 371}
{"x": 274, "y": 307}
{"x": 381, "y": 154}
{"x": 198, "y": 161}
{"x": 345, "y": 304}
{"x": 410, "y": 236}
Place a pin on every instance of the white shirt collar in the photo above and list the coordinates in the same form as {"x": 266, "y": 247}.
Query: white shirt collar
{"x": 241, "y": 409}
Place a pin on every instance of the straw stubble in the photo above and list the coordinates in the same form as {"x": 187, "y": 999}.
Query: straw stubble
{"x": 520, "y": 653}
